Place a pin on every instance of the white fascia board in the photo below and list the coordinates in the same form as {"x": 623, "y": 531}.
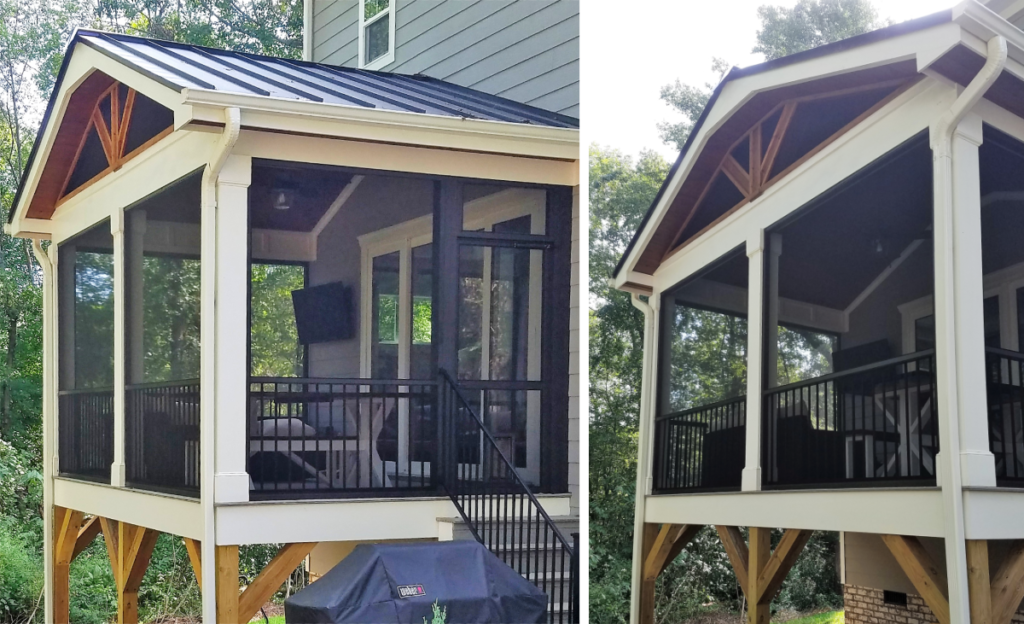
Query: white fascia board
{"x": 899, "y": 511}
{"x": 896, "y": 122}
{"x": 368, "y": 124}
{"x": 166, "y": 513}
{"x": 738, "y": 92}
{"x": 993, "y": 513}
{"x": 84, "y": 61}
{"x": 981, "y": 24}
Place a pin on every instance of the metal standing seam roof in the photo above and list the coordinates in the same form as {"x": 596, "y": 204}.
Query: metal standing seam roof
{"x": 182, "y": 66}
{"x": 888, "y": 32}
{"x": 185, "y": 66}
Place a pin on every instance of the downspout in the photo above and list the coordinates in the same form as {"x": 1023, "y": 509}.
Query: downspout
{"x": 208, "y": 307}
{"x": 49, "y": 416}
{"x": 951, "y": 480}
{"x": 307, "y": 30}
{"x": 643, "y": 464}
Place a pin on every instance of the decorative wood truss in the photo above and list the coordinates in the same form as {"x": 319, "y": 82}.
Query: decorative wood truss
{"x": 130, "y": 548}
{"x": 759, "y": 571}
{"x": 110, "y": 119}
{"x": 760, "y": 146}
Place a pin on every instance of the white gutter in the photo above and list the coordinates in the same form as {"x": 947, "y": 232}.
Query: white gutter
{"x": 49, "y": 452}
{"x": 643, "y": 464}
{"x": 208, "y": 293}
{"x": 949, "y": 430}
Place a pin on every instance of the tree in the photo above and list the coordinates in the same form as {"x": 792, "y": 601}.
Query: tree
{"x": 809, "y": 24}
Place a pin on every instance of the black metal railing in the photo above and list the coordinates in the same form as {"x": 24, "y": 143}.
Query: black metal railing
{"x": 85, "y": 433}
{"x": 874, "y": 425}
{"x": 340, "y": 437}
{"x": 701, "y": 449}
{"x": 498, "y": 506}
{"x": 1005, "y": 385}
{"x": 162, "y": 436}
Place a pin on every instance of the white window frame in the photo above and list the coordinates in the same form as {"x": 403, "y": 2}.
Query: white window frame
{"x": 385, "y": 59}
{"x": 479, "y": 214}
{"x": 1003, "y": 283}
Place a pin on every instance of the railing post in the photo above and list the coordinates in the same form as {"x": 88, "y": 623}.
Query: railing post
{"x": 755, "y": 361}
{"x": 574, "y": 579}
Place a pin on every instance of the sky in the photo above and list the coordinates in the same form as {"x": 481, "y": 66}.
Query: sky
{"x": 627, "y": 59}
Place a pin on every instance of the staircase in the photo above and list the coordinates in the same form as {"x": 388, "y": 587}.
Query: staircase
{"x": 544, "y": 556}
{"x": 499, "y": 510}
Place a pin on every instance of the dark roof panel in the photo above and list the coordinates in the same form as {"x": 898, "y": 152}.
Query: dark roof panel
{"x": 184, "y": 66}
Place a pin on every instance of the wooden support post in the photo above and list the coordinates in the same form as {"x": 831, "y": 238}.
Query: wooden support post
{"x": 671, "y": 540}
{"x": 758, "y": 612}
{"x": 194, "y": 548}
{"x": 227, "y": 585}
{"x": 647, "y": 585}
{"x": 926, "y": 576}
{"x": 979, "y": 585}
{"x": 769, "y": 581}
{"x": 271, "y": 578}
{"x": 67, "y": 525}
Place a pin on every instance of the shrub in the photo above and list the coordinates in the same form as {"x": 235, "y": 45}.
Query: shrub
{"x": 21, "y": 575}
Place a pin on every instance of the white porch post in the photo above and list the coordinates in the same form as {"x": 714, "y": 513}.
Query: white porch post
{"x": 48, "y": 263}
{"x": 231, "y": 336}
{"x": 755, "y": 361}
{"x": 117, "y": 469}
{"x": 977, "y": 463}
{"x": 135, "y": 290}
{"x": 645, "y": 441}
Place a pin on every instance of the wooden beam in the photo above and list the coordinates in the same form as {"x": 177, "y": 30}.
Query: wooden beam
{"x": 758, "y": 611}
{"x": 194, "y": 556}
{"x": 111, "y": 531}
{"x": 646, "y": 614}
{"x": 227, "y": 584}
{"x": 736, "y": 549}
{"x": 924, "y": 574}
{"x": 755, "y": 160}
{"x": 773, "y": 146}
{"x": 135, "y": 547}
{"x": 979, "y": 585}
{"x": 781, "y": 562}
{"x": 678, "y": 547}
{"x": 735, "y": 172}
{"x": 668, "y": 538}
{"x": 1008, "y": 584}
{"x": 271, "y": 578}
{"x": 86, "y": 535}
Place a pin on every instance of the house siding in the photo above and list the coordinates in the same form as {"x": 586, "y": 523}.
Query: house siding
{"x": 525, "y": 50}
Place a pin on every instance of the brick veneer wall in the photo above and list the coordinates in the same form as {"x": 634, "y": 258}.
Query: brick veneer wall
{"x": 865, "y": 606}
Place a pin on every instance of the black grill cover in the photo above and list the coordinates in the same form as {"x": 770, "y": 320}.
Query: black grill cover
{"x": 463, "y": 576}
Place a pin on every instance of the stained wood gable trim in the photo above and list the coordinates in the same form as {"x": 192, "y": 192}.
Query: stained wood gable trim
{"x": 753, "y": 180}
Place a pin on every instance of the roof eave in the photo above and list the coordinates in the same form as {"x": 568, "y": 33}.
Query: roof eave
{"x": 274, "y": 114}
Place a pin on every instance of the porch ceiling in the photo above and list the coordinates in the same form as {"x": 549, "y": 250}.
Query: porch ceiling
{"x": 312, "y": 190}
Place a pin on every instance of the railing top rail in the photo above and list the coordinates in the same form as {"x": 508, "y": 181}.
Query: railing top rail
{"x": 163, "y": 384}
{"x": 84, "y": 391}
{"x": 512, "y": 470}
{"x": 693, "y": 410}
{"x": 1007, "y": 353}
{"x": 911, "y": 357}
{"x": 341, "y": 381}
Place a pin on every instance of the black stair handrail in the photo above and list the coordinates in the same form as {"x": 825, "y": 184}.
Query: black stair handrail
{"x": 473, "y": 506}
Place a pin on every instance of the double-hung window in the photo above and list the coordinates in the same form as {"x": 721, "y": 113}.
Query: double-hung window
{"x": 376, "y": 33}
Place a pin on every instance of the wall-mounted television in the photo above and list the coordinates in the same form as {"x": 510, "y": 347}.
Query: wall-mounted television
{"x": 323, "y": 313}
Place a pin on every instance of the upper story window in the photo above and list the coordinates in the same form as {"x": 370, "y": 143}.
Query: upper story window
{"x": 376, "y": 33}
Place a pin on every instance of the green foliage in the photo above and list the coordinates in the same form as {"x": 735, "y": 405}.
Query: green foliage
{"x": 276, "y": 351}
{"x": 812, "y": 23}
{"x": 827, "y": 617}
{"x": 21, "y": 576}
{"x": 690, "y": 101}
{"x": 170, "y": 311}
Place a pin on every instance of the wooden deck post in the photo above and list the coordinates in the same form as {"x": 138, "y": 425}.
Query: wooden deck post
{"x": 661, "y": 545}
{"x": 758, "y": 611}
{"x": 67, "y": 524}
{"x": 135, "y": 547}
{"x": 227, "y": 585}
{"x": 647, "y": 585}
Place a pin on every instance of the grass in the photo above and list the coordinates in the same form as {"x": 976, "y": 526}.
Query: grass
{"x": 829, "y": 617}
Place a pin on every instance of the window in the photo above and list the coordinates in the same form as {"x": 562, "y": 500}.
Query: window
{"x": 376, "y": 33}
